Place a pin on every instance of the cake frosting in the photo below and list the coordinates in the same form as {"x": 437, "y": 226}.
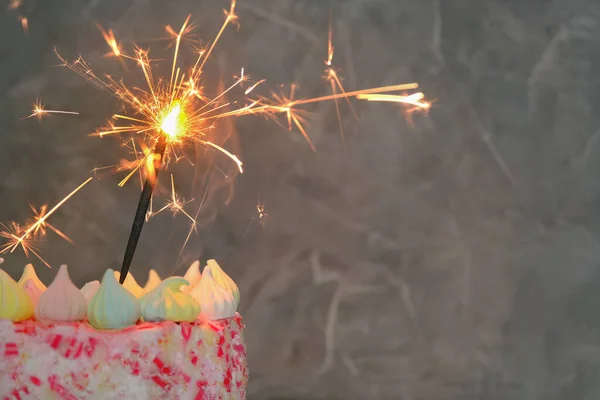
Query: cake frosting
{"x": 216, "y": 302}
{"x": 62, "y": 301}
{"x": 29, "y": 274}
{"x": 152, "y": 282}
{"x": 130, "y": 284}
{"x": 193, "y": 276}
{"x": 89, "y": 289}
{"x": 204, "y": 360}
{"x": 167, "y": 302}
{"x": 15, "y": 303}
{"x": 170, "y": 343}
{"x": 33, "y": 291}
{"x": 113, "y": 306}
{"x": 222, "y": 279}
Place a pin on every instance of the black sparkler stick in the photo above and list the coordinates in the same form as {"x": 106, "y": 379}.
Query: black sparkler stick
{"x": 142, "y": 208}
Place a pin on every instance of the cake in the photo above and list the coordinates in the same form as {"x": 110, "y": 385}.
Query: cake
{"x": 179, "y": 338}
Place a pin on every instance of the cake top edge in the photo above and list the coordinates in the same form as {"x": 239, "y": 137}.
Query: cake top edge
{"x": 209, "y": 294}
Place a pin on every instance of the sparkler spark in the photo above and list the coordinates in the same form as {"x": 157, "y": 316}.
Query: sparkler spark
{"x": 175, "y": 113}
{"x": 109, "y": 37}
{"x": 262, "y": 214}
{"x": 39, "y": 111}
{"x": 25, "y": 237}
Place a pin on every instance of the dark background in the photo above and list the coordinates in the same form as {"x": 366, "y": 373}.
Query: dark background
{"x": 452, "y": 258}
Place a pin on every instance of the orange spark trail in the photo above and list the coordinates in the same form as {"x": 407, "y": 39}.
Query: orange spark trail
{"x": 40, "y": 112}
{"x": 109, "y": 37}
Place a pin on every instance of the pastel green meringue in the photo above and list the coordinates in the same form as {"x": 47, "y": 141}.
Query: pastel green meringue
{"x": 113, "y": 306}
{"x": 29, "y": 274}
{"x": 152, "y": 282}
{"x": 222, "y": 279}
{"x": 15, "y": 303}
{"x": 168, "y": 303}
{"x": 215, "y": 301}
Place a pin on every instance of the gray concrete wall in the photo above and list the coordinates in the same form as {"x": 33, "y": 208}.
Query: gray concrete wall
{"x": 452, "y": 258}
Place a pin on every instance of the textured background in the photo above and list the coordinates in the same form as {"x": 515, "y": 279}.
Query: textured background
{"x": 456, "y": 258}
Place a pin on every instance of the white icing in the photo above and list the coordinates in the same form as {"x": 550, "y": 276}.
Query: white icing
{"x": 215, "y": 302}
{"x": 62, "y": 301}
{"x": 89, "y": 289}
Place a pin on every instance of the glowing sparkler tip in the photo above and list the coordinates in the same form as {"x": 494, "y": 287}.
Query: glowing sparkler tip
{"x": 173, "y": 123}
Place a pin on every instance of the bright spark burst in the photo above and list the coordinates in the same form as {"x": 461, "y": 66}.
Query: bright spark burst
{"x": 180, "y": 112}
{"x": 39, "y": 111}
{"x": 262, "y": 214}
{"x": 27, "y": 236}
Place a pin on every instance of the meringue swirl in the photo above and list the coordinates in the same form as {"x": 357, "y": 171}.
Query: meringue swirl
{"x": 15, "y": 303}
{"x": 215, "y": 302}
{"x": 167, "y": 302}
{"x": 62, "y": 301}
{"x": 222, "y": 279}
{"x": 113, "y": 306}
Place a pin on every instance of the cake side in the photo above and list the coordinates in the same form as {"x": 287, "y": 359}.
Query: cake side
{"x": 165, "y": 360}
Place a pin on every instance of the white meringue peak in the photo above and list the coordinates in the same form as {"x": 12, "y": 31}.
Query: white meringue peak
{"x": 62, "y": 301}
{"x": 89, "y": 289}
{"x": 215, "y": 302}
{"x": 193, "y": 276}
{"x": 222, "y": 279}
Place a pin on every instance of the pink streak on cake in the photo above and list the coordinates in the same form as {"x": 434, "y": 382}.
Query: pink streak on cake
{"x": 72, "y": 361}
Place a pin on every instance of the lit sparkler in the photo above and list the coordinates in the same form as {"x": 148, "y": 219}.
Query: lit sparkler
{"x": 172, "y": 113}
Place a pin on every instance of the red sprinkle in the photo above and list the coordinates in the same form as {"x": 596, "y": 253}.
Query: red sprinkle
{"x": 35, "y": 380}
{"x": 186, "y": 331}
{"x": 56, "y": 341}
{"x": 11, "y": 349}
{"x": 194, "y": 359}
{"x": 163, "y": 384}
{"x": 239, "y": 348}
{"x": 60, "y": 389}
{"x": 227, "y": 380}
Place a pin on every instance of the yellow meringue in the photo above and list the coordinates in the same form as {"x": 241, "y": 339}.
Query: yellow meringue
{"x": 193, "y": 276}
{"x": 29, "y": 273}
{"x": 89, "y": 289}
{"x": 33, "y": 291}
{"x": 215, "y": 302}
{"x": 222, "y": 279}
{"x": 113, "y": 306}
{"x": 152, "y": 282}
{"x": 62, "y": 301}
{"x": 131, "y": 284}
{"x": 167, "y": 303}
{"x": 15, "y": 303}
